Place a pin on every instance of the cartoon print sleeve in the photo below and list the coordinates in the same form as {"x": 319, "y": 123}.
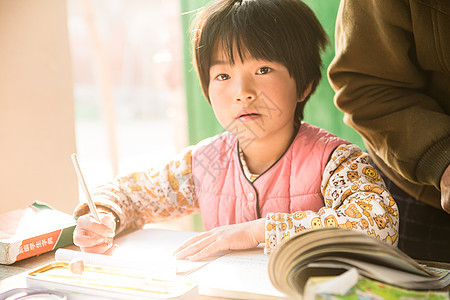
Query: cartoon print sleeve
{"x": 355, "y": 198}
{"x": 147, "y": 197}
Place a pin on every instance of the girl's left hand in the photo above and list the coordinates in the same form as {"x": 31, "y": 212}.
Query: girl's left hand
{"x": 230, "y": 237}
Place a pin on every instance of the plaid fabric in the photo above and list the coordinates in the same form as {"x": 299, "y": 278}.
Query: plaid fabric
{"x": 424, "y": 230}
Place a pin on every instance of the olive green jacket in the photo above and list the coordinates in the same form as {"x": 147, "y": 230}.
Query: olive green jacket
{"x": 391, "y": 74}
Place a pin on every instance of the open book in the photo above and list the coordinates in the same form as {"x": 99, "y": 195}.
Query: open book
{"x": 332, "y": 251}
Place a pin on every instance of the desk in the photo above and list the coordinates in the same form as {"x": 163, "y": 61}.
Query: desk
{"x": 13, "y": 276}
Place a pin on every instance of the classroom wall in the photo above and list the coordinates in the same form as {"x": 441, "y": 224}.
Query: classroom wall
{"x": 37, "y": 132}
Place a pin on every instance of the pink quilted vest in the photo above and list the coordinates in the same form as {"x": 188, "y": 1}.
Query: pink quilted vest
{"x": 291, "y": 184}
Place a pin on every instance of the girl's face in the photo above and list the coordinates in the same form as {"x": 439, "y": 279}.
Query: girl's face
{"x": 253, "y": 99}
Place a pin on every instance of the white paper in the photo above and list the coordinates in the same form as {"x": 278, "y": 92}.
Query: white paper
{"x": 239, "y": 274}
{"x": 146, "y": 249}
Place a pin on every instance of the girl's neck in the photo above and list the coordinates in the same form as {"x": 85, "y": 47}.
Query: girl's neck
{"x": 261, "y": 154}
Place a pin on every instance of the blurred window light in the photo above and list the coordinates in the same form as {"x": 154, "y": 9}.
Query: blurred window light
{"x": 128, "y": 87}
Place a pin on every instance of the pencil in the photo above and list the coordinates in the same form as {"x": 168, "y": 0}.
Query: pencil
{"x": 91, "y": 203}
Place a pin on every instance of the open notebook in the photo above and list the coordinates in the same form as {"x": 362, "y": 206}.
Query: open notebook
{"x": 148, "y": 249}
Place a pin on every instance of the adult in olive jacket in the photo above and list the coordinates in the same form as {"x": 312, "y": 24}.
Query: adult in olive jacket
{"x": 391, "y": 74}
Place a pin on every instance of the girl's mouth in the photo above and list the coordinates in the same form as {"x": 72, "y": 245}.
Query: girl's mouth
{"x": 248, "y": 117}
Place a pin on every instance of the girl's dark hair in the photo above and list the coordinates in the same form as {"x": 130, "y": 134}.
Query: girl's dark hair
{"x": 285, "y": 31}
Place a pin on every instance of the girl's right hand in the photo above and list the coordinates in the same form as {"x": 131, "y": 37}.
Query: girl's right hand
{"x": 93, "y": 236}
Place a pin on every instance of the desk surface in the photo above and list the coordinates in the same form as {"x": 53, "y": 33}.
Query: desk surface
{"x": 13, "y": 276}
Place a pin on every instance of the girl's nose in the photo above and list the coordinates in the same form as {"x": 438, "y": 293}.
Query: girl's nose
{"x": 245, "y": 90}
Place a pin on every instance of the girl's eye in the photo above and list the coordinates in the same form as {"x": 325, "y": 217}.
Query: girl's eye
{"x": 263, "y": 70}
{"x": 222, "y": 77}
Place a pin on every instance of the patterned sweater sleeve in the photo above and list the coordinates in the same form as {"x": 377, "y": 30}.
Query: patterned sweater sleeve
{"x": 148, "y": 196}
{"x": 355, "y": 197}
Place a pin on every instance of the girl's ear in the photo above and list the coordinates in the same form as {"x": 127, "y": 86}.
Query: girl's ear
{"x": 305, "y": 93}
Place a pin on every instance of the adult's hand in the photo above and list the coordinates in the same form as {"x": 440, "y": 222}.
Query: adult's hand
{"x": 230, "y": 237}
{"x": 445, "y": 190}
{"x": 93, "y": 236}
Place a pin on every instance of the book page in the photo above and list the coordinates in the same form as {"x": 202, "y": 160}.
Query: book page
{"x": 240, "y": 274}
{"x": 146, "y": 249}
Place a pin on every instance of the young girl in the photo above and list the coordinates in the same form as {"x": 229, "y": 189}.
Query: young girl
{"x": 269, "y": 175}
